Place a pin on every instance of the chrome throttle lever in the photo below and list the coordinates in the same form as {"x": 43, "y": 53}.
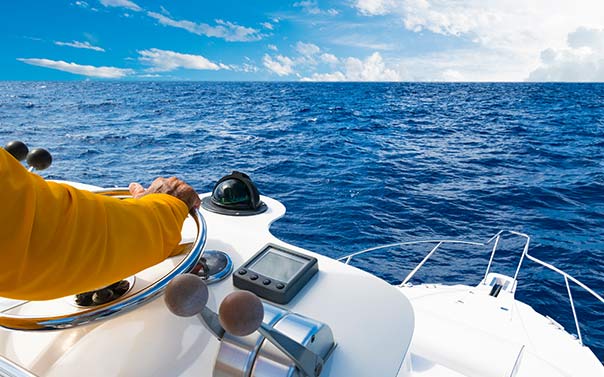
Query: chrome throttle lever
{"x": 240, "y": 314}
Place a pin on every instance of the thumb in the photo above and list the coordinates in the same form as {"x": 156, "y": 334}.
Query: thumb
{"x": 136, "y": 190}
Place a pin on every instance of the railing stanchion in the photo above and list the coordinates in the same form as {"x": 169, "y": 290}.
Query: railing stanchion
{"x": 524, "y": 253}
{"x": 572, "y": 305}
{"x": 420, "y": 264}
{"x": 491, "y": 259}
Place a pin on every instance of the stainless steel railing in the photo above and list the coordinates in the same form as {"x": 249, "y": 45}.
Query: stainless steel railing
{"x": 495, "y": 241}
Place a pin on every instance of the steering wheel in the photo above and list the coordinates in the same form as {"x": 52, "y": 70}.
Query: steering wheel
{"x": 120, "y": 305}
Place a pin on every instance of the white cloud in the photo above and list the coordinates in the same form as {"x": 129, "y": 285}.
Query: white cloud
{"x": 164, "y": 61}
{"x": 281, "y": 65}
{"x": 223, "y": 29}
{"x": 336, "y": 76}
{"x": 464, "y": 65}
{"x": 581, "y": 61}
{"x": 584, "y": 37}
{"x": 373, "y": 68}
{"x": 267, "y": 25}
{"x": 518, "y": 32}
{"x": 374, "y": 7}
{"x": 307, "y": 49}
{"x": 310, "y": 54}
{"x": 84, "y": 45}
{"x": 85, "y": 70}
{"x": 329, "y": 58}
{"x": 272, "y": 47}
{"x": 311, "y": 7}
{"x": 121, "y": 4}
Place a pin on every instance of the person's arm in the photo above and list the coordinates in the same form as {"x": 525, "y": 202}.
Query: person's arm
{"x": 56, "y": 240}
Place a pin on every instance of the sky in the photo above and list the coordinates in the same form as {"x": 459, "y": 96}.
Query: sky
{"x": 303, "y": 40}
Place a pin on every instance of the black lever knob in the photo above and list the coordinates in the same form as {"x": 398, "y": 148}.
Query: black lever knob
{"x": 39, "y": 158}
{"x": 17, "y": 149}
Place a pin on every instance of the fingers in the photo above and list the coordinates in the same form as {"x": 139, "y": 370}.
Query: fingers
{"x": 196, "y": 200}
{"x": 171, "y": 186}
{"x": 136, "y": 190}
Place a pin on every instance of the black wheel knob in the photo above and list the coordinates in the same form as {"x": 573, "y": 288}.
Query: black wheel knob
{"x": 103, "y": 296}
{"x": 17, "y": 149}
{"x": 39, "y": 158}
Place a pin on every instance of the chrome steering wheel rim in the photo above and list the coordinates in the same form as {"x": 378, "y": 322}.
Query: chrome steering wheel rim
{"x": 122, "y": 304}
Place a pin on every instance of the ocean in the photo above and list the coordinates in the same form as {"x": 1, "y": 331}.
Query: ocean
{"x": 361, "y": 164}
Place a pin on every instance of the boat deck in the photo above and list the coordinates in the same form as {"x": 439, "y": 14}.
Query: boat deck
{"x": 464, "y": 331}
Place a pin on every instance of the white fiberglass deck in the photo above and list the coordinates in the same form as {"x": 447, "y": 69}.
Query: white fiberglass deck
{"x": 463, "y": 331}
{"x": 483, "y": 331}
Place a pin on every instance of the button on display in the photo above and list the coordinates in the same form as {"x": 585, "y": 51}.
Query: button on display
{"x": 280, "y": 285}
{"x": 266, "y": 281}
{"x": 242, "y": 272}
{"x": 254, "y": 277}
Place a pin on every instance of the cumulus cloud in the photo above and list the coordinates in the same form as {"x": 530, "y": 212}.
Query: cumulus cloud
{"x": 494, "y": 23}
{"x": 374, "y": 7}
{"x": 495, "y": 28}
{"x": 373, "y": 68}
{"x": 582, "y": 60}
{"x": 85, "y": 70}
{"x": 121, "y": 4}
{"x": 307, "y": 49}
{"x": 267, "y": 25}
{"x": 329, "y": 58}
{"x": 223, "y": 29}
{"x": 164, "y": 61}
{"x": 272, "y": 47}
{"x": 281, "y": 65}
{"x": 310, "y": 57}
{"x": 336, "y": 76}
{"x": 84, "y": 45}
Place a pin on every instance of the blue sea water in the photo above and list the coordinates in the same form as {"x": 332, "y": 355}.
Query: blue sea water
{"x": 358, "y": 165}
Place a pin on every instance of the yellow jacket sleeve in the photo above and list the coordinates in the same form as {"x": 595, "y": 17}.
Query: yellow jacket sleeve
{"x": 56, "y": 240}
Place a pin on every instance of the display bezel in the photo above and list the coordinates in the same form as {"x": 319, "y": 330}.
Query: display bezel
{"x": 276, "y": 290}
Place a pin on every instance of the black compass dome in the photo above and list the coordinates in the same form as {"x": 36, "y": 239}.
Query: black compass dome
{"x": 235, "y": 195}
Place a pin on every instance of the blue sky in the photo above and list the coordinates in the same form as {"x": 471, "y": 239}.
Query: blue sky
{"x": 308, "y": 40}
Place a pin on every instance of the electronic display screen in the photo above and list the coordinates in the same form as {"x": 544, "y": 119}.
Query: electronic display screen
{"x": 278, "y": 265}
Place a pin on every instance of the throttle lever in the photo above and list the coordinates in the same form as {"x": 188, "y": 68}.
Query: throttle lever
{"x": 240, "y": 314}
